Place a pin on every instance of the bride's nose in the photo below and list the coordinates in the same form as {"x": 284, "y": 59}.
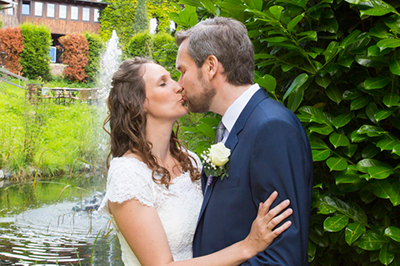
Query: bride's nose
{"x": 177, "y": 88}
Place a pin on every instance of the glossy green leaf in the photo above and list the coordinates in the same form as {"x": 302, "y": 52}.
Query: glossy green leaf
{"x": 383, "y": 114}
{"x": 347, "y": 179}
{"x": 351, "y": 38}
{"x": 394, "y": 67}
{"x": 337, "y": 163}
{"x": 350, "y": 150}
{"x": 321, "y": 129}
{"x": 393, "y": 232}
{"x": 294, "y": 22}
{"x": 334, "y": 93}
{"x": 335, "y": 223}
{"x": 388, "y": 43}
{"x": 309, "y": 35}
{"x": 391, "y": 99}
{"x": 296, "y": 84}
{"x": 331, "y": 50}
{"x": 351, "y": 94}
{"x": 263, "y": 56}
{"x": 374, "y": 50}
{"x": 370, "y": 111}
{"x": 353, "y": 232}
{"x": 267, "y": 82}
{"x": 276, "y": 39}
{"x": 380, "y": 172}
{"x": 346, "y": 61}
{"x": 385, "y": 255}
{"x": 376, "y": 83}
{"x": 254, "y": 4}
{"x": 369, "y": 151}
{"x": 320, "y": 155}
{"x": 323, "y": 81}
{"x": 364, "y": 164}
{"x": 208, "y": 5}
{"x": 387, "y": 144}
{"x": 206, "y": 129}
{"x": 317, "y": 143}
{"x": 342, "y": 120}
{"x": 295, "y": 100}
{"x": 352, "y": 211}
{"x": 376, "y": 11}
{"x": 381, "y": 188}
{"x": 192, "y": 3}
{"x": 355, "y": 137}
{"x": 371, "y": 131}
{"x": 338, "y": 140}
{"x": 394, "y": 194}
{"x": 276, "y": 11}
{"x": 361, "y": 102}
{"x": 371, "y": 241}
{"x": 396, "y": 149}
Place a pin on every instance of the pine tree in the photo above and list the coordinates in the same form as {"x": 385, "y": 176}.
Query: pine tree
{"x": 141, "y": 21}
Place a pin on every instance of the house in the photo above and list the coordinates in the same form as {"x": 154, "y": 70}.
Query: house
{"x": 61, "y": 16}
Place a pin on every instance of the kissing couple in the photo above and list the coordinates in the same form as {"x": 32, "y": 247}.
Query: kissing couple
{"x": 164, "y": 208}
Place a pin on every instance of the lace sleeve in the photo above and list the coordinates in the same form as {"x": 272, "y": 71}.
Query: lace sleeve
{"x": 128, "y": 179}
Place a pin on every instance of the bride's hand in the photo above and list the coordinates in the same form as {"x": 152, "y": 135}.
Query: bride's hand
{"x": 262, "y": 230}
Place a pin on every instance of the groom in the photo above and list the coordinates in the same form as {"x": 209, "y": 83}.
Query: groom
{"x": 269, "y": 147}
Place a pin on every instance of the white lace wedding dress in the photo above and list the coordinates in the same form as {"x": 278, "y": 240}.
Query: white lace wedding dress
{"x": 178, "y": 206}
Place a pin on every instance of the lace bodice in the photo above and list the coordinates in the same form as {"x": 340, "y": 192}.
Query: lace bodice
{"x": 178, "y": 206}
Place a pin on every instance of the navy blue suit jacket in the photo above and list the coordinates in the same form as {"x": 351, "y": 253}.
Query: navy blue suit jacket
{"x": 269, "y": 151}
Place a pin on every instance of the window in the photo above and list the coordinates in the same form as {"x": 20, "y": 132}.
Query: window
{"x": 10, "y": 10}
{"x": 26, "y": 8}
{"x": 96, "y": 15}
{"x": 74, "y": 13}
{"x": 38, "y": 9}
{"x": 86, "y": 14}
{"x": 51, "y": 10}
{"x": 62, "y": 12}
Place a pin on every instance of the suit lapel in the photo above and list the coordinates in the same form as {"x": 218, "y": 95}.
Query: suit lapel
{"x": 232, "y": 141}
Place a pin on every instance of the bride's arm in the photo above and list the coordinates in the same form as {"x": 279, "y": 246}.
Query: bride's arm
{"x": 142, "y": 228}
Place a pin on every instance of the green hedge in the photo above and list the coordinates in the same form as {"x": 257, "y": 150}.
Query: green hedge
{"x": 35, "y": 57}
{"x": 336, "y": 64}
{"x": 96, "y": 47}
{"x": 159, "y": 47}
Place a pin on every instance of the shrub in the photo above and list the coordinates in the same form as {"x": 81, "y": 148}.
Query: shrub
{"x": 11, "y": 42}
{"x": 35, "y": 57}
{"x": 336, "y": 64}
{"x": 96, "y": 46}
{"x": 159, "y": 47}
{"x": 75, "y": 55}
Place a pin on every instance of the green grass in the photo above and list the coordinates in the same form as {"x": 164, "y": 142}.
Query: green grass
{"x": 61, "y": 137}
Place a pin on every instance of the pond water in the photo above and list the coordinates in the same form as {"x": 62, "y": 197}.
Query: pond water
{"x": 44, "y": 226}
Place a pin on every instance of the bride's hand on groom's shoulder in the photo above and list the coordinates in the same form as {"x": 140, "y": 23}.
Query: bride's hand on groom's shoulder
{"x": 264, "y": 230}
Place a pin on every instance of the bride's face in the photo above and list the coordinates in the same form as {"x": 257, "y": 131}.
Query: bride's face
{"x": 163, "y": 95}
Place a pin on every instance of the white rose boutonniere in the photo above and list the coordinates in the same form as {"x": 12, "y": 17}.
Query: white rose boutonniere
{"x": 215, "y": 160}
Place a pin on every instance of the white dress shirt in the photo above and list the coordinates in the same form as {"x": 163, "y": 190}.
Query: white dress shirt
{"x": 236, "y": 108}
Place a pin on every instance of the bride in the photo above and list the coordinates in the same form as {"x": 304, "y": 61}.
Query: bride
{"x": 153, "y": 190}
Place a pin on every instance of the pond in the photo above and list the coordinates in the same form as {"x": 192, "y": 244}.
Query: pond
{"x": 45, "y": 224}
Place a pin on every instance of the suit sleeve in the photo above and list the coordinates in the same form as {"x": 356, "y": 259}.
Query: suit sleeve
{"x": 281, "y": 161}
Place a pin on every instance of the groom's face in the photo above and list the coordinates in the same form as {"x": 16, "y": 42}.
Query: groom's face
{"x": 198, "y": 91}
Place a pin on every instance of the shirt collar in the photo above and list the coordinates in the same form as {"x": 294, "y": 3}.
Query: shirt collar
{"x": 236, "y": 108}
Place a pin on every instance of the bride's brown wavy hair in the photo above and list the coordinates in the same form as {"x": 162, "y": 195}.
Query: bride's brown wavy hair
{"x": 127, "y": 119}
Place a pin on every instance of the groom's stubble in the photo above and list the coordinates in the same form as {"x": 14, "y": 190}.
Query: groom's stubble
{"x": 201, "y": 102}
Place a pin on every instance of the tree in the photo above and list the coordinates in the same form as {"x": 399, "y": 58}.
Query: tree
{"x": 119, "y": 15}
{"x": 141, "y": 21}
{"x": 336, "y": 64}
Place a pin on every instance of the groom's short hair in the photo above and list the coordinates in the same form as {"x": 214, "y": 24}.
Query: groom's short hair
{"x": 226, "y": 39}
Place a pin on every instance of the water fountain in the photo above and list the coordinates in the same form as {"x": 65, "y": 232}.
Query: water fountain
{"x": 110, "y": 61}
{"x": 58, "y": 231}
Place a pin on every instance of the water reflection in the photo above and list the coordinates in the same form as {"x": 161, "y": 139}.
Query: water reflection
{"x": 39, "y": 227}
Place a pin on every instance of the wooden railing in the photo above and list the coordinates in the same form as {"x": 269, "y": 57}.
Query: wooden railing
{"x": 6, "y": 72}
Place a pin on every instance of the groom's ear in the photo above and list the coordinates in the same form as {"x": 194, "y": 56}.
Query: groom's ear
{"x": 211, "y": 66}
